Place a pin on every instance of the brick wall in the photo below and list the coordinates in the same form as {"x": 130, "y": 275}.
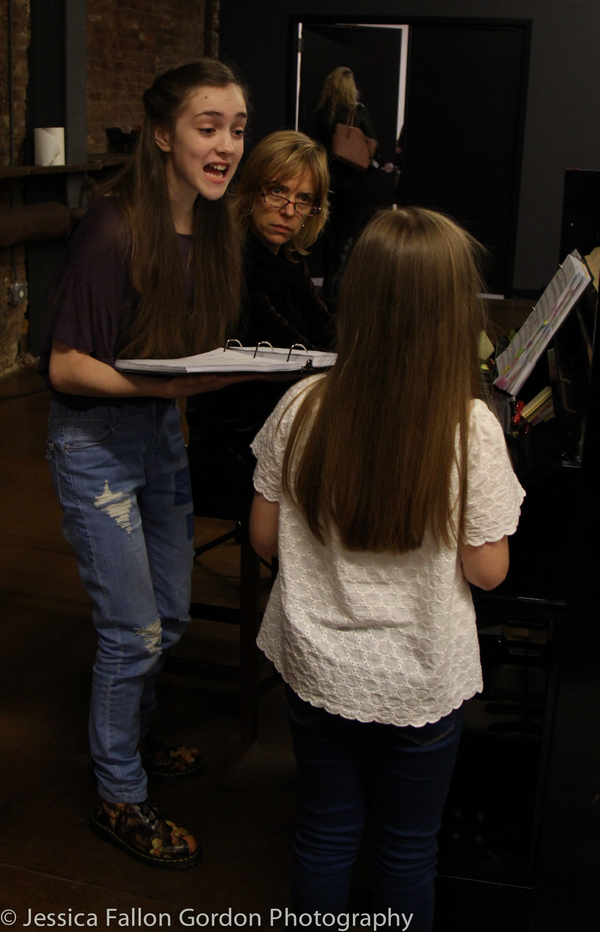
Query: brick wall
{"x": 12, "y": 318}
{"x": 129, "y": 43}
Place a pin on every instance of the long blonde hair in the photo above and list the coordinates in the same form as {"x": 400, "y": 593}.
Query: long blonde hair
{"x": 374, "y": 444}
{"x": 274, "y": 160}
{"x": 163, "y": 325}
{"x": 339, "y": 90}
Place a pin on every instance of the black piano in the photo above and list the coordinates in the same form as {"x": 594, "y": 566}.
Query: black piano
{"x": 520, "y": 841}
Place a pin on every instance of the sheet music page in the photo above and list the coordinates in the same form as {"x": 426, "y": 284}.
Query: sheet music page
{"x": 517, "y": 361}
{"x": 551, "y": 296}
{"x": 524, "y": 363}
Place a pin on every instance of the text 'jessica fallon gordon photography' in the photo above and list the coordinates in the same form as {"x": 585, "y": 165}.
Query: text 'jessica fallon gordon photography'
{"x": 136, "y": 918}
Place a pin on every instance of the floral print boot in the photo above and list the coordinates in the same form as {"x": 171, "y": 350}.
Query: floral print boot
{"x": 143, "y": 832}
{"x": 164, "y": 763}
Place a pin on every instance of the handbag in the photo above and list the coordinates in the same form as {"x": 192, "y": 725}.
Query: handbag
{"x": 350, "y": 146}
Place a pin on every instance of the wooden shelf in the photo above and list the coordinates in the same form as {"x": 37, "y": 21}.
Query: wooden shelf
{"x": 95, "y": 164}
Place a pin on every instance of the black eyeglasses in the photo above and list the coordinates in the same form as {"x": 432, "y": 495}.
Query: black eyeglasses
{"x": 276, "y": 200}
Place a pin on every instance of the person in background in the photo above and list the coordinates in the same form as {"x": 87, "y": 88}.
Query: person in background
{"x": 339, "y": 102}
{"x": 385, "y": 488}
{"x": 154, "y": 270}
{"x": 281, "y": 205}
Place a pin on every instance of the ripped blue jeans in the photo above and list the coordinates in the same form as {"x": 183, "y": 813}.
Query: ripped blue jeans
{"x": 121, "y": 476}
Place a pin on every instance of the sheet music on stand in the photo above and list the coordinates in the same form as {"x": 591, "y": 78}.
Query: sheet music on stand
{"x": 516, "y": 363}
{"x": 261, "y": 359}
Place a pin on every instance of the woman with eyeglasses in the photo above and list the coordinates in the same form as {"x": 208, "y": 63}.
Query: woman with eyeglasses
{"x": 282, "y": 208}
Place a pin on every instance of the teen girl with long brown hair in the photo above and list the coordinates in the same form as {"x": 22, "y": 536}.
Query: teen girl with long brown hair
{"x": 153, "y": 270}
{"x": 385, "y": 488}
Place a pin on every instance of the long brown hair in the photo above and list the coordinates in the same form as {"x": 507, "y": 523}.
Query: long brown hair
{"x": 274, "y": 160}
{"x": 339, "y": 90}
{"x": 374, "y": 444}
{"x": 163, "y": 325}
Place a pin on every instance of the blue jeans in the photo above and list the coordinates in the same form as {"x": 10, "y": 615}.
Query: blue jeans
{"x": 403, "y": 775}
{"x": 122, "y": 479}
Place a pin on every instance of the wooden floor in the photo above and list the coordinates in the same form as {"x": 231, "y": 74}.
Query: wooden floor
{"x": 242, "y": 809}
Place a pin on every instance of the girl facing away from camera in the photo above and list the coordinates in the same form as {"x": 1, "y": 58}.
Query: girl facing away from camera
{"x": 385, "y": 488}
{"x": 154, "y": 270}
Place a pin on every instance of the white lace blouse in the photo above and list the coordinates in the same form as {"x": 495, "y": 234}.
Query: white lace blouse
{"x": 380, "y": 637}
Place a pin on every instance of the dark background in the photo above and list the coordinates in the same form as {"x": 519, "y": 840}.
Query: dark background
{"x": 464, "y": 120}
{"x": 560, "y": 130}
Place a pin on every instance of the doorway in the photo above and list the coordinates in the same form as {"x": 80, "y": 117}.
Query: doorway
{"x": 376, "y": 54}
{"x": 462, "y": 105}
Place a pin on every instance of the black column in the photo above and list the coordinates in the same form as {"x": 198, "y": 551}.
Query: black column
{"x": 56, "y": 96}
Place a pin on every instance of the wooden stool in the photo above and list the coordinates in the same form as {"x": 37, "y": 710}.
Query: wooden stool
{"x": 248, "y": 616}
{"x": 221, "y": 427}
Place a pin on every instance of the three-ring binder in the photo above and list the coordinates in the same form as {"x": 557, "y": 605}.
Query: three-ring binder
{"x": 264, "y": 359}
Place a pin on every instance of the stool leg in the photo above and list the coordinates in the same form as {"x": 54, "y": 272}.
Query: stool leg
{"x": 249, "y": 624}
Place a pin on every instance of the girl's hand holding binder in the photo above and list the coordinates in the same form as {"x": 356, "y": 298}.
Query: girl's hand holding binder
{"x": 75, "y": 372}
{"x": 186, "y": 386}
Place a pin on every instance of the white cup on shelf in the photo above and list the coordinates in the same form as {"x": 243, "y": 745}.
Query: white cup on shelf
{"x": 49, "y": 145}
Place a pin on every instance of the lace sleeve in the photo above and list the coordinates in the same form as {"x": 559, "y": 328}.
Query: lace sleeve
{"x": 494, "y": 494}
{"x": 270, "y": 443}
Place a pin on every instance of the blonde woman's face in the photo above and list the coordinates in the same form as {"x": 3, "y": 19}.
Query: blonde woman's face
{"x": 273, "y": 225}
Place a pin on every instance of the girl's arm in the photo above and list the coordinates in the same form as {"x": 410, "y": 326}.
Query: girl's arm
{"x": 485, "y": 566}
{"x": 264, "y": 526}
{"x": 77, "y": 373}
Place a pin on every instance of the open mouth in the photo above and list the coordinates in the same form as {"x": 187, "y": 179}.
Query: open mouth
{"x": 216, "y": 170}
